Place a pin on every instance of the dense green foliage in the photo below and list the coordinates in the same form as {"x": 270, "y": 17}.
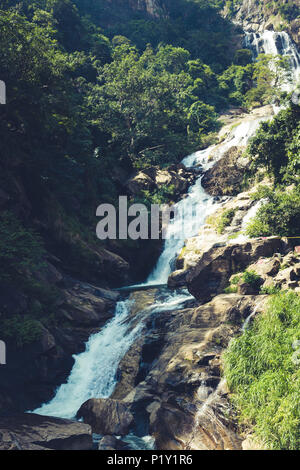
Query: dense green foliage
{"x": 276, "y": 146}
{"x": 262, "y": 371}
{"x": 280, "y": 215}
{"x": 254, "y": 84}
{"x": 20, "y": 248}
{"x": 275, "y": 150}
{"x": 86, "y": 105}
{"x": 91, "y": 95}
{"x": 195, "y": 25}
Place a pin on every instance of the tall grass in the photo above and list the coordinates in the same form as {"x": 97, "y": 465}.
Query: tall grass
{"x": 263, "y": 373}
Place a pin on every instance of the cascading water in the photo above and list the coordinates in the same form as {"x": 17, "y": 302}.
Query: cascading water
{"x": 274, "y": 43}
{"x": 188, "y": 220}
{"x": 94, "y": 372}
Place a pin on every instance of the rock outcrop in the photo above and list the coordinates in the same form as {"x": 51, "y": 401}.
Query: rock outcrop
{"x": 176, "y": 177}
{"x": 258, "y": 16}
{"x": 225, "y": 178}
{"x": 213, "y": 268}
{"x": 112, "y": 443}
{"x": 281, "y": 272}
{"x": 153, "y": 8}
{"x": 34, "y": 432}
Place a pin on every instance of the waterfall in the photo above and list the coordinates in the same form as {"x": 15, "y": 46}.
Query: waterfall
{"x": 185, "y": 224}
{"x": 94, "y": 374}
{"x": 274, "y": 43}
{"x": 193, "y": 220}
{"x": 94, "y": 371}
{"x": 252, "y": 315}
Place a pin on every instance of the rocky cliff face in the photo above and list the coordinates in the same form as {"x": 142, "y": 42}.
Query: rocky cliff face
{"x": 256, "y": 16}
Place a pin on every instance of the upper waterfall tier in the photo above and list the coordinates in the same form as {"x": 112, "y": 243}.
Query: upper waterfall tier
{"x": 274, "y": 43}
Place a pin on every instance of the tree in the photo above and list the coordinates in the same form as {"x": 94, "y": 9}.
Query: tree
{"x": 143, "y": 103}
{"x": 270, "y": 74}
{"x": 243, "y": 57}
{"x": 274, "y": 145}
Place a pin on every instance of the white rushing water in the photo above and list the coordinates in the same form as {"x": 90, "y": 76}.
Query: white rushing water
{"x": 276, "y": 43}
{"x": 193, "y": 210}
{"x": 94, "y": 372}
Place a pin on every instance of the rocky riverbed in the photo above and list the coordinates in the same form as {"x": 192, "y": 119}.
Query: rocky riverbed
{"x": 168, "y": 385}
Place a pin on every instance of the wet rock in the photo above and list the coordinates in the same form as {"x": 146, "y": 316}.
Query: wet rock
{"x": 165, "y": 422}
{"x": 128, "y": 370}
{"x": 177, "y": 278}
{"x": 112, "y": 443}
{"x": 34, "y": 432}
{"x": 181, "y": 396}
{"x": 107, "y": 416}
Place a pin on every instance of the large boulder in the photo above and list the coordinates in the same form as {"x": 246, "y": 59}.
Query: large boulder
{"x": 226, "y": 176}
{"x": 128, "y": 370}
{"x": 86, "y": 305}
{"x": 266, "y": 267}
{"x": 35, "y": 432}
{"x": 107, "y": 416}
{"x": 210, "y": 274}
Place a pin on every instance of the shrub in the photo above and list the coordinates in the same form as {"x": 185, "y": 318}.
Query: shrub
{"x": 20, "y": 330}
{"x": 262, "y": 371}
{"x": 231, "y": 290}
{"x": 251, "y": 278}
{"x": 235, "y": 280}
{"x": 225, "y": 220}
{"x": 20, "y": 248}
{"x": 270, "y": 290}
{"x": 279, "y": 216}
